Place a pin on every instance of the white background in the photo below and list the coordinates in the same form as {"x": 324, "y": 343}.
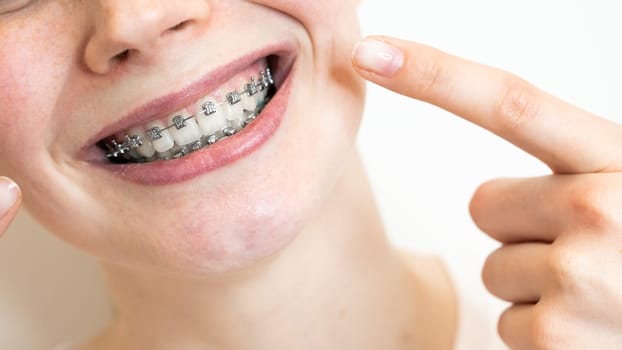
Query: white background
{"x": 424, "y": 163}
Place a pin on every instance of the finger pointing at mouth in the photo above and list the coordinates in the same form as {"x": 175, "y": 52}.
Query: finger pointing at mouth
{"x": 557, "y": 133}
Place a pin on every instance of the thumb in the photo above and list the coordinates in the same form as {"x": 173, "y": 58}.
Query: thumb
{"x": 10, "y": 197}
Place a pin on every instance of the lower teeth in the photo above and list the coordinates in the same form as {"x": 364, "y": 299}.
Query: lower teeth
{"x": 125, "y": 152}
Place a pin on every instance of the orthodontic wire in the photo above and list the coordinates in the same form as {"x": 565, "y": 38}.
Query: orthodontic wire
{"x": 132, "y": 142}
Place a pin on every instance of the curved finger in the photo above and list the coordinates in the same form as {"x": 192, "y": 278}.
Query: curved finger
{"x": 543, "y": 208}
{"x": 514, "y": 326}
{"x": 517, "y": 273}
{"x": 515, "y": 210}
{"x": 529, "y": 327}
{"x": 10, "y": 196}
{"x": 566, "y": 138}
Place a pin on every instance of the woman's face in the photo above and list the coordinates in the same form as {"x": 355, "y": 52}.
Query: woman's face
{"x": 74, "y": 73}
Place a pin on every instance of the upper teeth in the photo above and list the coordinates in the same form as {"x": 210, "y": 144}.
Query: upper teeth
{"x": 184, "y": 133}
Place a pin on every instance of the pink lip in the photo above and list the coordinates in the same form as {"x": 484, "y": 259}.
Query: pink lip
{"x": 176, "y": 100}
{"x": 218, "y": 155}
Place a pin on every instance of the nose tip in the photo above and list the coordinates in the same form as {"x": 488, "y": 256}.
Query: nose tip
{"x": 129, "y": 30}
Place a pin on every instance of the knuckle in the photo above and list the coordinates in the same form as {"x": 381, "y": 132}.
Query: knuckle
{"x": 430, "y": 74}
{"x": 566, "y": 264}
{"x": 543, "y": 330}
{"x": 537, "y": 332}
{"x": 517, "y": 105}
{"x": 589, "y": 206}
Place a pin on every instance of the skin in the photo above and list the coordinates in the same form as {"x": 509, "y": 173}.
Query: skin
{"x": 287, "y": 238}
{"x": 561, "y": 234}
{"x": 299, "y": 247}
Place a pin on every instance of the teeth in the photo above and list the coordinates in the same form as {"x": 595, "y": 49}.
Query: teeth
{"x": 211, "y": 116}
{"x": 182, "y": 133}
{"x": 160, "y": 138}
{"x": 146, "y": 150}
{"x": 249, "y": 99}
{"x": 184, "y": 128}
{"x": 234, "y": 110}
{"x": 262, "y": 95}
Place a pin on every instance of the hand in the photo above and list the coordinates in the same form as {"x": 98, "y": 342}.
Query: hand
{"x": 561, "y": 259}
{"x": 10, "y": 199}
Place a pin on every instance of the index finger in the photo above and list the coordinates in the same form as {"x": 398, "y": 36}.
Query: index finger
{"x": 566, "y": 138}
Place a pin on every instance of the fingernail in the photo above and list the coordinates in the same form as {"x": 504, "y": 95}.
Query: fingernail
{"x": 8, "y": 195}
{"x": 378, "y": 57}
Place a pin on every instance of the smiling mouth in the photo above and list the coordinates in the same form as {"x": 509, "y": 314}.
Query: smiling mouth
{"x": 213, "y": 118}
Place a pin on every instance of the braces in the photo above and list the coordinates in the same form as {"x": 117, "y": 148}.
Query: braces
{"x": 121, "y": 151}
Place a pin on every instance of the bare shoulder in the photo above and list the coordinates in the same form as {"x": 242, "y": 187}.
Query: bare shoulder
{"x": 439, "y": 301}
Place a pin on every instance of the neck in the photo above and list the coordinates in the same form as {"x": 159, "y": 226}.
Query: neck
{"x": 340, "y": 276}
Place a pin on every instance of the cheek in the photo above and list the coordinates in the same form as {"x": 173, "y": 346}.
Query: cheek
{"x": 308, "y": 12}
{"x": 333, "y": 29}
{"x": 33, "y": 65}
{"x": 18, "y": 91}
{"x": 324, "y": 19}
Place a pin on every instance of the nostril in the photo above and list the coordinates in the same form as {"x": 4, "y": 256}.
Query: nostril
{"x": 179, "y": 26}
{"x": 122, "y": 56}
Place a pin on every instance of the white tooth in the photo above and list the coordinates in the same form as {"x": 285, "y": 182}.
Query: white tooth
{"x": 165, "y": 142}
{"x": 262, "y": 95}
{"x": 234, "y": 114}
{"x": 249, "y": 103}
{"x": 188, "y": 134}
{"x": 211, "y": 123}
{"x": 146, "y": 150}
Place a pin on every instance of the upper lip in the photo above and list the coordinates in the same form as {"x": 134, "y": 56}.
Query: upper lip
{"x": 171, "y": 102}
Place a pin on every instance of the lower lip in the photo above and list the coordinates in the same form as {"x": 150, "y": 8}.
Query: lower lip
{"x": 215, "y": 156}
